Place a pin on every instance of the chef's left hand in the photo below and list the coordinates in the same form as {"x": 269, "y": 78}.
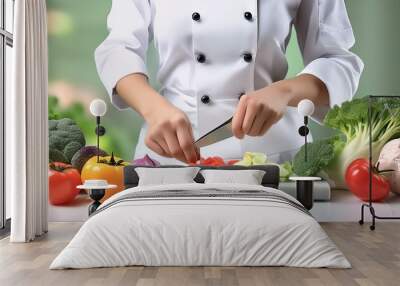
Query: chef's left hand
{"x": 259, "y": 110}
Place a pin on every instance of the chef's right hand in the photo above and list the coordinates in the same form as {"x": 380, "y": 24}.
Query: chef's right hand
{"x": 170, "y": 134}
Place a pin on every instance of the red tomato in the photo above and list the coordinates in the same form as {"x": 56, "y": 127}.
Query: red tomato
{"x": 210, "y": 161}
{"x": 357, "y": 179}
{"x": 218, "y": 161}
{"x": 63, "y": 180}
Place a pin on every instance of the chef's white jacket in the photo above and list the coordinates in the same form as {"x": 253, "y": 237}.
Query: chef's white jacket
{"x": 211, "y": 52}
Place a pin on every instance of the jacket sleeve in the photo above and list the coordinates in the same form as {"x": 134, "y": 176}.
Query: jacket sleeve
{"x": 325, "y": 37}
{"x": 124, "y": 51}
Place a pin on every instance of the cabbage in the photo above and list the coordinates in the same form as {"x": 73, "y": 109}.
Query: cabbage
{"x": 252, "y": 159}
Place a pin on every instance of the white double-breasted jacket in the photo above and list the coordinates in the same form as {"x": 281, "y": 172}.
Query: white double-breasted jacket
{"x": 212, "y": 51}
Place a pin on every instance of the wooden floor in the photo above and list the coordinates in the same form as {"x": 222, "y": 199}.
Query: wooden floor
{"x": 375, "y": 257}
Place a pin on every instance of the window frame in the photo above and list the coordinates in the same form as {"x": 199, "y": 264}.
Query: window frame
{"x": 6, "y": 39}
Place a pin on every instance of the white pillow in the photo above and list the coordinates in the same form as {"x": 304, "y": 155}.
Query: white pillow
{"x": 248, "y": 177}
{"x": 166, "y": 176}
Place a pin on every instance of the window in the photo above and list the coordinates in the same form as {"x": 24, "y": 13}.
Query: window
{"x": 6, "y": 44}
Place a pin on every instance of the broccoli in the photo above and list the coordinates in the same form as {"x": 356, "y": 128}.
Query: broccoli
{"x": 320, "y": 154}
{"x": 65, "y": 139}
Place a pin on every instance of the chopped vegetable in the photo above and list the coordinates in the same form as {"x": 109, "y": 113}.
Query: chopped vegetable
{"x": 211, "y": 161}
{"x": 146, "y": 161}
{"x": 253, "y": 158}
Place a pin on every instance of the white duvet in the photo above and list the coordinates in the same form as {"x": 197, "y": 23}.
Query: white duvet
{"x": 203, "y": 231}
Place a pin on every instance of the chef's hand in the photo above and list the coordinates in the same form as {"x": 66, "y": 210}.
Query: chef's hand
{"x": 170, "y": 134}
{"x": 169, "y": 131}
{"x": 258, "y": 111}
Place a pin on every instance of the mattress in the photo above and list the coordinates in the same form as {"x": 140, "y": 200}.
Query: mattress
{"x": 201, "y": 225}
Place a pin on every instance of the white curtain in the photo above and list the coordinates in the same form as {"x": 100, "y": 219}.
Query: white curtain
{"x": 27, "y": 124}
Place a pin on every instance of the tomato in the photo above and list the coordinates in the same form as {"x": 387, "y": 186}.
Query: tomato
{"x": 357, "y": 179}
{"x": 210, "y": 161}
{"x": 218, "y": 161}
{"x": 109, "y": 168}
{"x": 63, "y": 180}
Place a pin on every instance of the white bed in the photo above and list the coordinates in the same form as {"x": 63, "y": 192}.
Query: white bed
{"x": 183, "y": 230}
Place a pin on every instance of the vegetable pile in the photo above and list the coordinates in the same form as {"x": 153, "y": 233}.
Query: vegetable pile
{"x": 249, "y": 159}
{"x": 215, "y": 161}
{"x": 351, "y": 120}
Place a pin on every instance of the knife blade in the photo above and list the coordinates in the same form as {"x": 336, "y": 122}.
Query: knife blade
{"x": 219, "y": 133}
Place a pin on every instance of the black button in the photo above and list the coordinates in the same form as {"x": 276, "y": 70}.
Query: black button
{"x": 201, "y": 58}
{"x": 196, "y": 16}
{"x": 205, "y": 99}
{"x": 248, "y": 57}
{"x": 248, "y": 16}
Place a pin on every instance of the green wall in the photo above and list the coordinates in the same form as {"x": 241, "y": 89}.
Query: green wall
{"x": 376, "y": 28}
{"x": 375, "y": 24}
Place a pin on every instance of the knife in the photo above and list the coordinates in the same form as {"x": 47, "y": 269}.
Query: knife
{"x": 219, "y": 133}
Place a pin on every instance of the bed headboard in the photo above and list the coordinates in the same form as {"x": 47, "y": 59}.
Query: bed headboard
{"x": 270, "y": 179}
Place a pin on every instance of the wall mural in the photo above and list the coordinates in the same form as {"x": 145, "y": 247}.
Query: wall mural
{"x": 74, "y": 33}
